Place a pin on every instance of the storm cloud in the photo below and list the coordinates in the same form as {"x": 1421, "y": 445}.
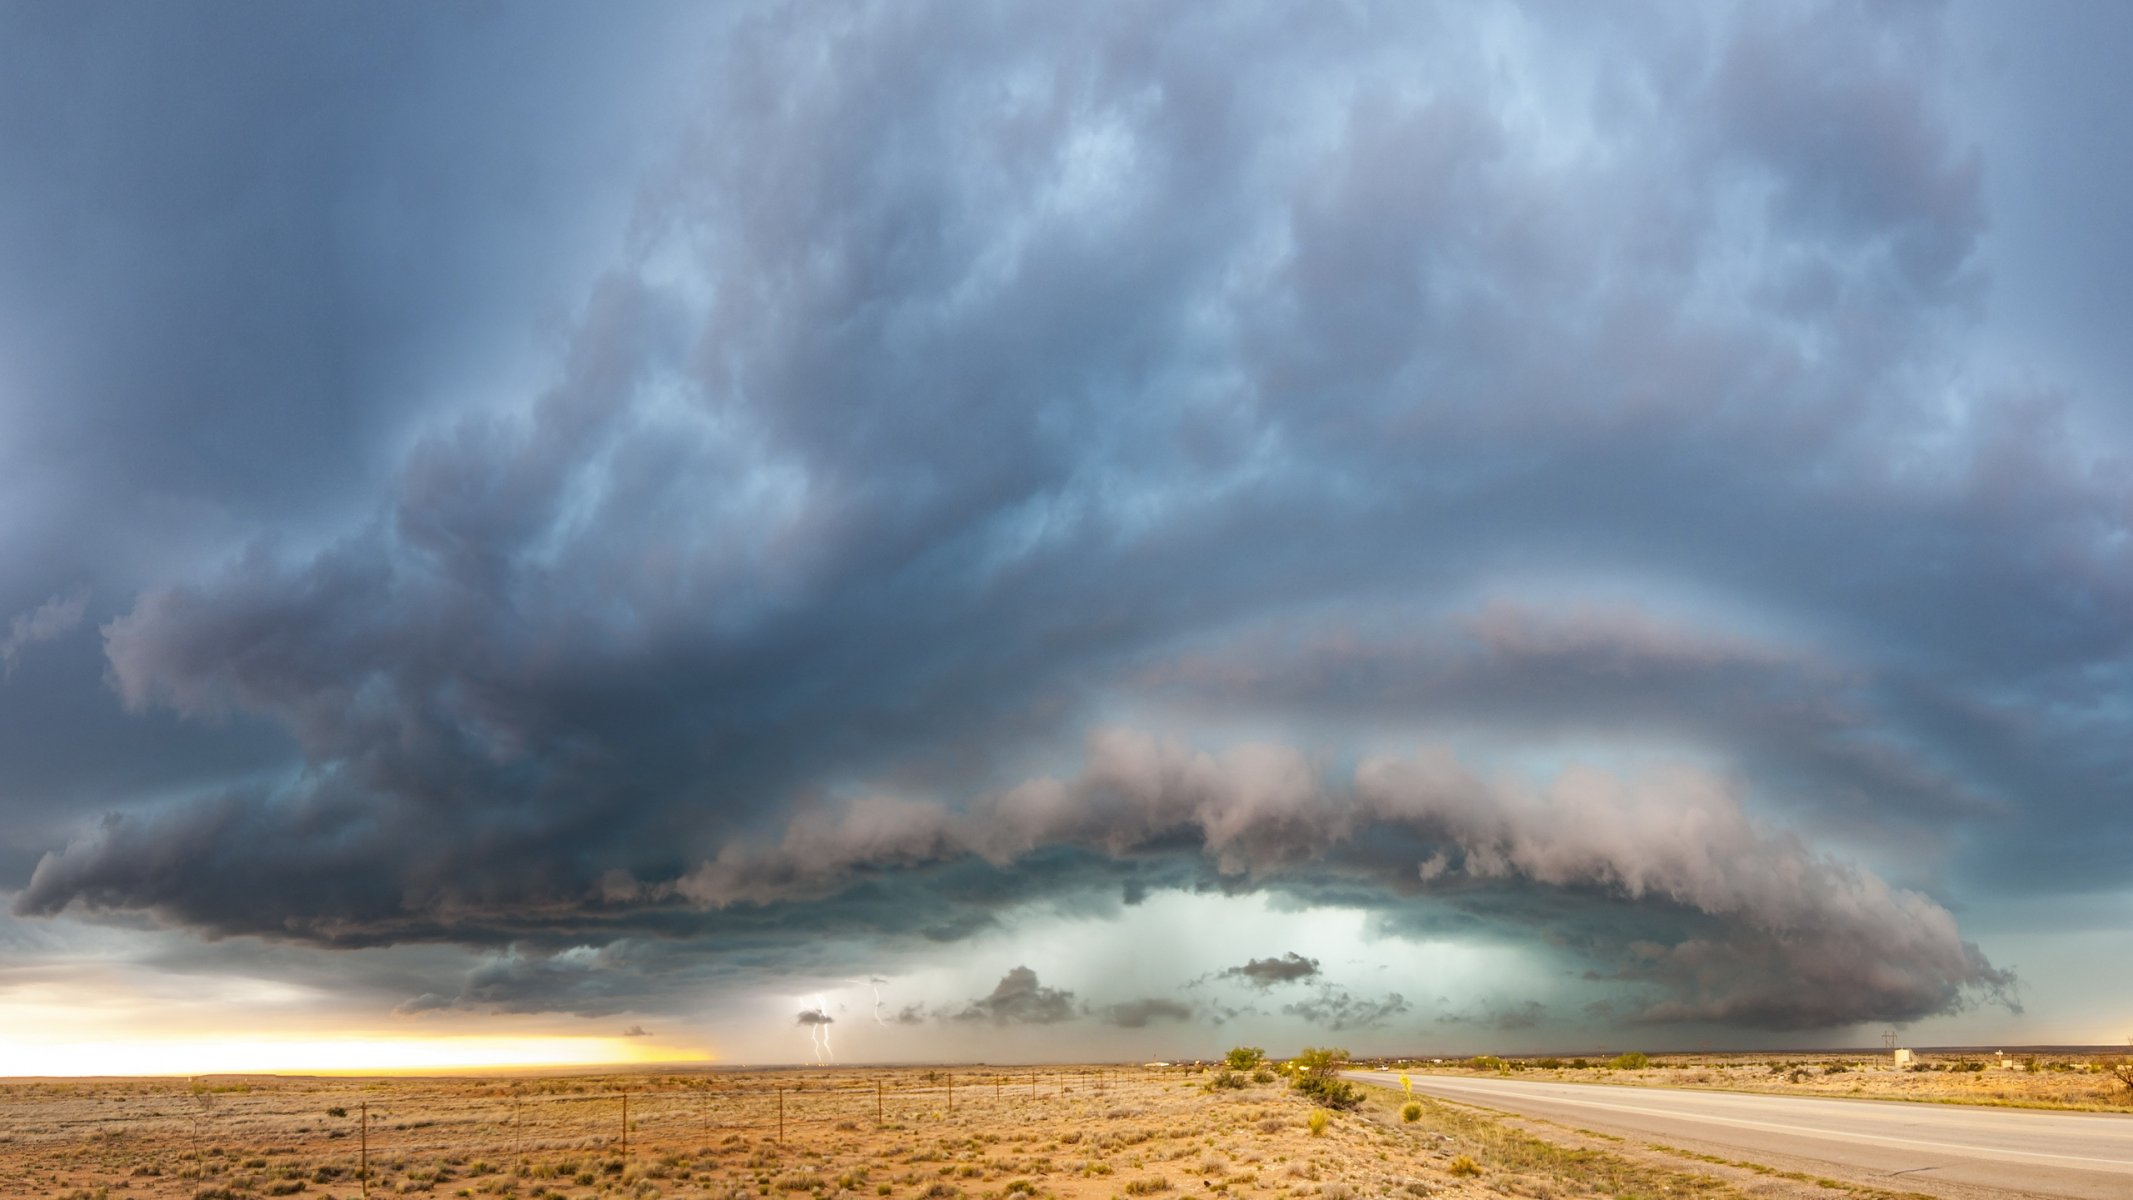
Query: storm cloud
{"x": 1539, "y": 477}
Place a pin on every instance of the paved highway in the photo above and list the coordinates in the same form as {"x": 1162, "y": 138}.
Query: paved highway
{"x": 1891, "y": 1144}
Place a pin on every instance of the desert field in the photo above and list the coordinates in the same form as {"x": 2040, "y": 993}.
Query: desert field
{"x": 1072, "y": 1133}
{"x": 2060, "y": 1078}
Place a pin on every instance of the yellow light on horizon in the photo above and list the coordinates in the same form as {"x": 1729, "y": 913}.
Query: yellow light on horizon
{"x": 348, "y": 1055}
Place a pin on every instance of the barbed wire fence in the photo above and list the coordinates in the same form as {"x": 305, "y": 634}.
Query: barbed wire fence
{"x": 347, "y": 1133}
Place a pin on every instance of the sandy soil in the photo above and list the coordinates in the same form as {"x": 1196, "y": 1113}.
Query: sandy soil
{"x": 1083, "y": 1133}
{"x": 2055, "y": 1079}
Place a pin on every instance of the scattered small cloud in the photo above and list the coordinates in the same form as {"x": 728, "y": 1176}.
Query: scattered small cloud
{"x": 815, "y": 1016}
{"x": 1266, "y": 972}
{"x": 1500, "y": 1016}
{"x": 1138, "y": 1014}
{"x": 1339, "y": 1010}
{"x": 636, "y": 1031}
{"x": 55, "y": 618}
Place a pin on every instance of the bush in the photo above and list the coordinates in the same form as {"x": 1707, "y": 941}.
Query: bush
{"x": 1635, "y": 1060}
{"x": 1262, "y": 1075}
{"x": 1487, "y": 1062}
{"x": 1317, "y": 1121}
{"x": 1464, "y": 1166}
{"x": 1410, "y": 1112}
{"x": 1333, "y": 1093}
{"x": 1244, "y": 1058}
{"x": 1224, "y": 1078}
{"x": 2120, "y": 1069}
{"x": 1315, "y": 1077}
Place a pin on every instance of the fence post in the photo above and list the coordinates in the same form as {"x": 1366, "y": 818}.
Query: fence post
{"x": 703, "y": 1105}
{"x": 996, "y": 1087}
{"x": 1033, "y": 1085}
{"x": 363, "y": 1142}
{"x": 951, "y": 1093}
{"x": 625, "y": 1122}
{"x": 781, "y": 1116}
{"x": 877, "y": 1102}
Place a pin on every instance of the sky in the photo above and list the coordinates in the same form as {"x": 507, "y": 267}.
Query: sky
{"x": 919, "y": 532}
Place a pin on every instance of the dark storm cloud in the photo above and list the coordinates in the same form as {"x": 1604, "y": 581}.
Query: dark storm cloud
{"x": 815, "y": 1016}
{"x": 1758, "y": 929}
{"x": 969, "y": 375}
{"x": 1019, "y": 999}
{"x": 1266, "y": 972}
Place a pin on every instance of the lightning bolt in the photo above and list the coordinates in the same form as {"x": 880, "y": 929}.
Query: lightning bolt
{"x": 821, "y": 1033}
{"x": 875, "y": 982}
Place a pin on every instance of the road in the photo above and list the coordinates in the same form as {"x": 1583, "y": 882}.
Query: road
{"x": 1890, "y": 1144}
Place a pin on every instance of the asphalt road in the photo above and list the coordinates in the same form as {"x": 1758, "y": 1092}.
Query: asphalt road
{"x": 1892, "y": 1144}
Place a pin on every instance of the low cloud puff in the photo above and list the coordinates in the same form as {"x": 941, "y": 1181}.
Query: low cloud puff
{"x": 1020, "y": 1000}
{"x": 1266, "y": 972}
{"x": 1139, "y": 1014}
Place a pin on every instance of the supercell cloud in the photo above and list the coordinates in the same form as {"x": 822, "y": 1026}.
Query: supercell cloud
{"x": 1564, "y": 483}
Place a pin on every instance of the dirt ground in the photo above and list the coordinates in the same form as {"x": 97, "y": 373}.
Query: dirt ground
{"x": 1079, "y": 1133}
{"x": 2046, "y": 1079}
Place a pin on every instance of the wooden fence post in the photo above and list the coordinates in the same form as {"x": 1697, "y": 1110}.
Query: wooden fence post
{"x": 363, "y": 1170}
{"x": 781, "y": 1116}
{"x": 877, "y": 1102}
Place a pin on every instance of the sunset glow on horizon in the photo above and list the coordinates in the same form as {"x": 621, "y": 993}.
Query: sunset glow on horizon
{"x": 327, "y": 1055}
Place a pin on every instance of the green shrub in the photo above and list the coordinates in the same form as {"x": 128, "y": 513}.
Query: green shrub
{"x": 1464, "y": 1166}
{"x": 1410, "y": 1112}
{"x": 1244, "y": 1058}
{"x": 1317, "y": 1121}
{"x": 1635, "y": 1060}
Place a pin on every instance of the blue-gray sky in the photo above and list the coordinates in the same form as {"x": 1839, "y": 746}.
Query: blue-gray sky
{"x": 1059, "y": 530}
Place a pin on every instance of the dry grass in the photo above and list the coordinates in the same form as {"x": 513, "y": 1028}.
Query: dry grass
{"x": 2058, "y": 1080}
{"x": 1087, "y": 1134}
